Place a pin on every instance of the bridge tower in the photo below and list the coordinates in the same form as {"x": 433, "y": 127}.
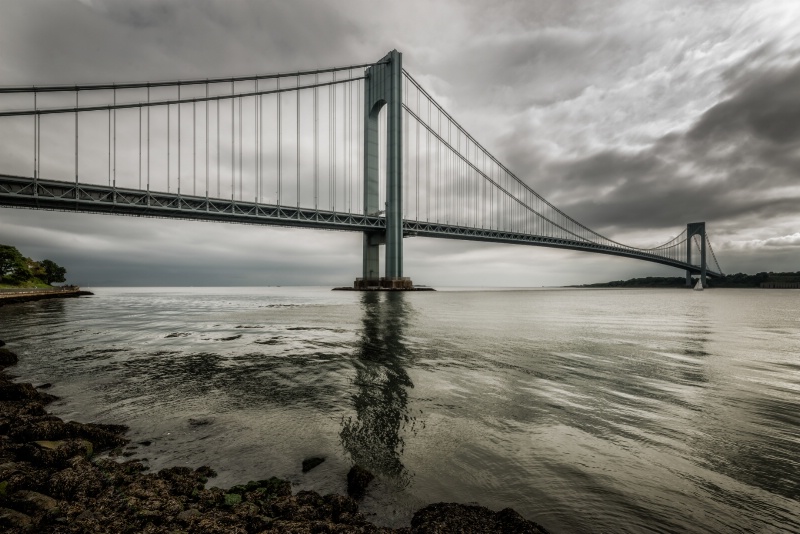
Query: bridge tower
{"x": 383, "y": 87}
{"x": 693, "y": 229}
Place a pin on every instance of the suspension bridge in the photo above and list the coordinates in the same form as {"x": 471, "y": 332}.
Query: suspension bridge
{"x": 361, "y": 148}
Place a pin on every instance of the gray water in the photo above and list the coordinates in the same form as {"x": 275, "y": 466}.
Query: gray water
{"x": 584, "y": 410}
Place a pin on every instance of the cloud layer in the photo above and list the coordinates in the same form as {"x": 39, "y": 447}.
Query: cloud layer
{"x": 635, "y": 117}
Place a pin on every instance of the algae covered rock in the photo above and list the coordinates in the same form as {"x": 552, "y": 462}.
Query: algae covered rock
{"x": 358, "y": 479}
{"x": 7, "y": 357}
{"x": 453, "y": 517}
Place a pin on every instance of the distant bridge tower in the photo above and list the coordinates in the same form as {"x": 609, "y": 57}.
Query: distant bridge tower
{"x": 693, "y": 229}
{"x": 383, "y": 87}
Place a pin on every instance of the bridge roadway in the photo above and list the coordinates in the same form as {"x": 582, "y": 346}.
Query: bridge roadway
{"x": 25, "y": 192}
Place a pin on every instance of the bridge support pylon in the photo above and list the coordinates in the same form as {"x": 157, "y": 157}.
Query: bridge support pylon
{"x": 693, "y": 229}
{"x": 383, "y": 87}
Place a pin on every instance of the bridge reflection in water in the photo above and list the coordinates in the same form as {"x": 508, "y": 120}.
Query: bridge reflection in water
{"x": 374, "y": 435}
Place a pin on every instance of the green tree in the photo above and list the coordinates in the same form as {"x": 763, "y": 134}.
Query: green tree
{"x": 52, "y": 272}
{"x": 13, "y": 266}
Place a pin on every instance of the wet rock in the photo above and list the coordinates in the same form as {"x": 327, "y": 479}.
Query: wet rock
{"x": 451, "y": 517}
{"x": 188, "y": 515}
{"x": 205, "y": 472}
{"x": 55, "y": 453}
{"x": 2, "y": 343}
{"x": 182, "y": 480}
{"x": 7, "y": 357}
{"x": 22, "y": 476}
{"x": 263, "y": 490}
{"x": 51, "y": 428}
{"x": 12, "y": 519}
{"x": 232, "y": 499}
{"x": 200, "y": 422}
{"x": 358, "y": 479}
{"x": 33, "y": 502}
{"x": 311, "y": 463}
{"x": 46, "y": 385}
{"x": 17, "y": 392}
{"x": 146, "y": 442}
{"x": 78, "y": 481}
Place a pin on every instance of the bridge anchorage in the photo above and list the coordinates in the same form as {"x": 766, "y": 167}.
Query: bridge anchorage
{"x": 359, "y": 148}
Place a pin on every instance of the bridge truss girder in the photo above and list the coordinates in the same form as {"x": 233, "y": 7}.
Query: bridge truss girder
{"x": 23, "y": 192}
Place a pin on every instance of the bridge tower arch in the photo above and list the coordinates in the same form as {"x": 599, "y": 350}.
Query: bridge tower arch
{"x": 383, "y": 87}
{"x": 693, "y": 229}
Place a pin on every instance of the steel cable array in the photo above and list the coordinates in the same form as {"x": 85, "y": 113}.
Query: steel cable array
{"x": 275, "y": 147}
{"x": 470, "y": 188}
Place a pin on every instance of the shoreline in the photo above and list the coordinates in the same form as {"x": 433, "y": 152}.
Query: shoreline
{"x": 60, "y": 477}
{"x": 23, "y": 295}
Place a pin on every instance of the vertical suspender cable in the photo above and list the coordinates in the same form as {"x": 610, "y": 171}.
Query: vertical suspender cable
{"x": 257, "y": 143}
{"x": 219, "y": 179}
{"x": 206, "y": 146}
{"x": 416, "y": 153}
{"x": 260, "y": 145}
{"x": 333, "y": 140}
{"x": 139, "y": 140}
{"x": 179, "y": 145}
{"x": 279, "y": 141}
{"x": 241, "y": 142}
{"x": 359, "y": 147}
{"x": 115, "y": 137}
{"x": 233, "y": 143}
{"x": 109, "y": 147}
{"x": 35, "y": 137}
{"x": 76, "y": 145}
{"x": 345, "y": 146}
{"x": 194, "y": 148}
{"x": 350, "y": 141}
{"x": 316, "y": 142}
{"x": 297, "y": 96}
{"x": 148, "y": 146}
{"x": 169, "y": 135}
{"x": 331, "y": 201}
{"x": 405, "y": 152}
{"x": 428, "y": 166}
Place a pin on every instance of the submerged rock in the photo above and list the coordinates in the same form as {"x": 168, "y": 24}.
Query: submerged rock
{"x": 311, "y": 463}
{"x": 7, "y": 357}
{"x": 452, "y": 517}
{"x": 358, "y": 479}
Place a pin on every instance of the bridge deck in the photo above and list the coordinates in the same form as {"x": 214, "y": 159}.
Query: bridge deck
{"x": 24, "y": 192}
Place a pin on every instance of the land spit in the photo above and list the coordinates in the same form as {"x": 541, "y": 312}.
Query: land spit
{"x": 64, "y": 477}
{"x": 26, "y": 295}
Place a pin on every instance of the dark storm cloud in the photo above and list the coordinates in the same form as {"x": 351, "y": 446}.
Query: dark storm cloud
{"x": 724, "y": 167}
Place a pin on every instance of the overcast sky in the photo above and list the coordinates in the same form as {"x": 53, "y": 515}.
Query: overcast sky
{"x": 634, "y": 117}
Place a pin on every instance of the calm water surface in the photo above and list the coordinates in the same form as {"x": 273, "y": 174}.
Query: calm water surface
{"x": 585, "y": 410}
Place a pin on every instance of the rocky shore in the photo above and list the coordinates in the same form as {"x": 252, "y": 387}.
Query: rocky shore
{"x": 63, "y": 477}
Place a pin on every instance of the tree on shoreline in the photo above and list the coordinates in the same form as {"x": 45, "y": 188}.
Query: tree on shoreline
{"x": 52, "y": 272}
{"x": 16, "y": 269}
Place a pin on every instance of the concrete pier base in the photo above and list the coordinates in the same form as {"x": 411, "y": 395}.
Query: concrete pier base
{"x": 402, "y": 283}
